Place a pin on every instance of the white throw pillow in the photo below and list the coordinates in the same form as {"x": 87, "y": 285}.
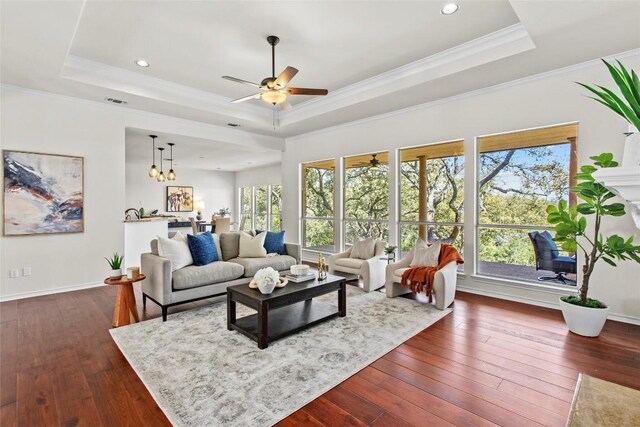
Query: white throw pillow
{"x": 176, "y": 250}
{"x": 426, "y": 255}
{"x": 363, "y": 249}
{"x": 252, "y": 247}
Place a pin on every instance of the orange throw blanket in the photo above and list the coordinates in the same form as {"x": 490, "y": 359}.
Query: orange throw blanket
{"x": 421, "y": 278}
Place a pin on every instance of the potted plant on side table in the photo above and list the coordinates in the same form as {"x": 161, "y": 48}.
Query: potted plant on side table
{"x": 115, "y": 262}
{"x": 583, "y": 315}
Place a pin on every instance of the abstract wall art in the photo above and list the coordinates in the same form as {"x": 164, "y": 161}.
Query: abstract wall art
{"x": 43, "y": 193}
{"x": 179, "y": 199}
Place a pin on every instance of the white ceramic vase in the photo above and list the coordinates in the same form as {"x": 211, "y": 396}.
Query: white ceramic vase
{"x": 116, "y": 273}
{"x": 266, "y": 287}
{"x": 585, "y": 321}
{"x": 631, "y": 155}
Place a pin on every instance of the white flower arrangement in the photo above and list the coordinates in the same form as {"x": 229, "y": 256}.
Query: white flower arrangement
{"x": 267, "y": 276}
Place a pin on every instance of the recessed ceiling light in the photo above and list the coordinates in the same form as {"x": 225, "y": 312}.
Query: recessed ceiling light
{"x": 449, "y": 9}
{"x": 142, "y": 63}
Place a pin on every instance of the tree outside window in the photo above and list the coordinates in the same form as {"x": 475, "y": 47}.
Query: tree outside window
{"x": 432, "y": 195}
{"x": 318, "y": 204}
{"x": 519, "y": 174}
{"x": 366, "y": 197}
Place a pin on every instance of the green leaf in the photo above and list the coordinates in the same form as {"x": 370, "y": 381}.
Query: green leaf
{"x": 628, "y": 112}
{"x": 609, "y": 261}
{"x": 585, "y": 209}
{"x": 569, "y": 246}
{"x": 635, "y": 88}
{"x": 625, "y": 88}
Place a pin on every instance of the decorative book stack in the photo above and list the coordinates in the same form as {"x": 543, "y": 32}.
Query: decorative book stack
{"x": 297, "y": 279}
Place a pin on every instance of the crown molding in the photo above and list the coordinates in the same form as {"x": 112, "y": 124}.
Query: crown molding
{"x": 125, "y": 81}
{"x": 488, "y": 48}
{"x": 634, "y": 53}
{"x": 135, "y": 118}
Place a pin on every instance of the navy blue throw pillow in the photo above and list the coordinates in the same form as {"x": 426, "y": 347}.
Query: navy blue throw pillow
{"x": 203, "y": 248}
{"x": 274, "y": 242}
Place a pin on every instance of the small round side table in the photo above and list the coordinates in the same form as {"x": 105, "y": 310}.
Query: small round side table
{"x": 125, "y": 311}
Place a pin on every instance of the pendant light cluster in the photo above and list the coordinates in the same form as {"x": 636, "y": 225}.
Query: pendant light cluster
{"x": 159, "y": 174}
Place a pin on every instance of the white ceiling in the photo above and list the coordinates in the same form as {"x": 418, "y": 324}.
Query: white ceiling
{"x": 195, "y": 153}
{"x": 373, "y": 56}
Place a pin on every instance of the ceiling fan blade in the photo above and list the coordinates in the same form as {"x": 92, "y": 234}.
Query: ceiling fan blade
{"x": 246, "y": 98}
{"x": 285, "y": 105}
{"x": 244, "y": 82}
{"x": 284, "y": 77}
{"x": 306, "y": 91}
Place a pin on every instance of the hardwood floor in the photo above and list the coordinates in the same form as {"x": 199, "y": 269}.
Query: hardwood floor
{"x": 489, "y": 362}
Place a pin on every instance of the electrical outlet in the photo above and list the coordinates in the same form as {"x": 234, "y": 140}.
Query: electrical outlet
{"x": 14, "y": 273}
{"x": 26, "y": 271}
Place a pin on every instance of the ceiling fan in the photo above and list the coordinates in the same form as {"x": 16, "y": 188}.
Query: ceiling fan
{"x": 275, "y": 90}
{"x": 374, "y": 163}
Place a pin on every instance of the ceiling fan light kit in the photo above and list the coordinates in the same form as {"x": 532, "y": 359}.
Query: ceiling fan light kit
{"x": 275, "y": 88}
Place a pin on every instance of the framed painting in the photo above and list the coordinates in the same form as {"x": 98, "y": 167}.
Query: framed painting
{"x": 43, "y": 193}
{"x": 179, "y": 199}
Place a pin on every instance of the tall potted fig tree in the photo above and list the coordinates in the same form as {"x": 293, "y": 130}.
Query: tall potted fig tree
{"x": 583, "y": 315}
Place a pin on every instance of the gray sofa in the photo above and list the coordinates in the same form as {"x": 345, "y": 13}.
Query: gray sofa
{"x": 193, "y": 283}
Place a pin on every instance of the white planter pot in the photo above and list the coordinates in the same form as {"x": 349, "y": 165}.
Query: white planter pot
{"x": 585, "y": 321}
{"x": 631, "y": 154}
{"x": 116, "y": 273}
{"x": 266, "y": 287}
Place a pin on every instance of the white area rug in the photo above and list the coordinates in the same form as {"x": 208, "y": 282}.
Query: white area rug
{"x": 201, "y": 374}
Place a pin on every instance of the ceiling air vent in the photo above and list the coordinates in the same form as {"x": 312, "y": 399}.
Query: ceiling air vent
{"x": 233, "y": 125}
{"x": 116, "y": 101}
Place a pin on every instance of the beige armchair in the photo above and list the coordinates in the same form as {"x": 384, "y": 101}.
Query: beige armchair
{"x": 444, "y": 282}
{"x": 371, "y": 270}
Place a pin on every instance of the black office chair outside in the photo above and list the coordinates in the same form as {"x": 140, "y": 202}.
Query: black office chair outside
{"x": 548, "y": 258}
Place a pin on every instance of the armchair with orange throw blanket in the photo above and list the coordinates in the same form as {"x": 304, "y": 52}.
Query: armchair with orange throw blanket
{"x": 439, "y": 279}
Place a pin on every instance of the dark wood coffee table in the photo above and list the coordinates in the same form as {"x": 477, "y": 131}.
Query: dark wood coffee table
{"x": 285, "y": 311}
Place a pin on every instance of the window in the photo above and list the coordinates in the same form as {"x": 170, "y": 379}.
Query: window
{"x": 260, "y": 208}
{"x": 431, "y": 195}
{"x": 246, "y": 208}
{"x": 519, "y": 174}
{"x": 276, "y": 208}
{"x": 317, "y": 206}
{"x": 261, "y": 211}
{"x": 366, "y": 197}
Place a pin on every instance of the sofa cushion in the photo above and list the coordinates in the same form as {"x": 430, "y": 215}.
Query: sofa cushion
{"x": 363, "y": 248}
{"x": 175, "y": 250}
{"x": 230, "y": 244}
{"x": 203, "y": 248}
{"x": 252, "y": 265}
{"x": 349, "y": 262}
{"x": 154, "y": 247}
{"x": 252, "y": 246}
{"x": 274, "y": 242}
{"x": 426, "y": 255}
{"x": 215, "y": 272}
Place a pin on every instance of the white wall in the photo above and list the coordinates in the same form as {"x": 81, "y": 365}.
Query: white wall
{"x": 541, "y": 101}
{"x": 264, "y": 175}
{"x": 215, "y": 188}
{"x": 38, "y": 121}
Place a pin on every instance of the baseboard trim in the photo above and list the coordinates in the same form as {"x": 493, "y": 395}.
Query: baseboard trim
{"x": 532, "y": 301}
{"x": 51, "y": 291}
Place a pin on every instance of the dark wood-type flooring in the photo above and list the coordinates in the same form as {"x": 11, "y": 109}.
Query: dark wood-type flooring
{"x": 489, "y": 362}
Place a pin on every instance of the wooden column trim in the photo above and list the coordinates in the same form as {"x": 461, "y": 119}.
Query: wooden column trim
{"x": 573, "y": 169}
{"x": 422, "y": 196}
